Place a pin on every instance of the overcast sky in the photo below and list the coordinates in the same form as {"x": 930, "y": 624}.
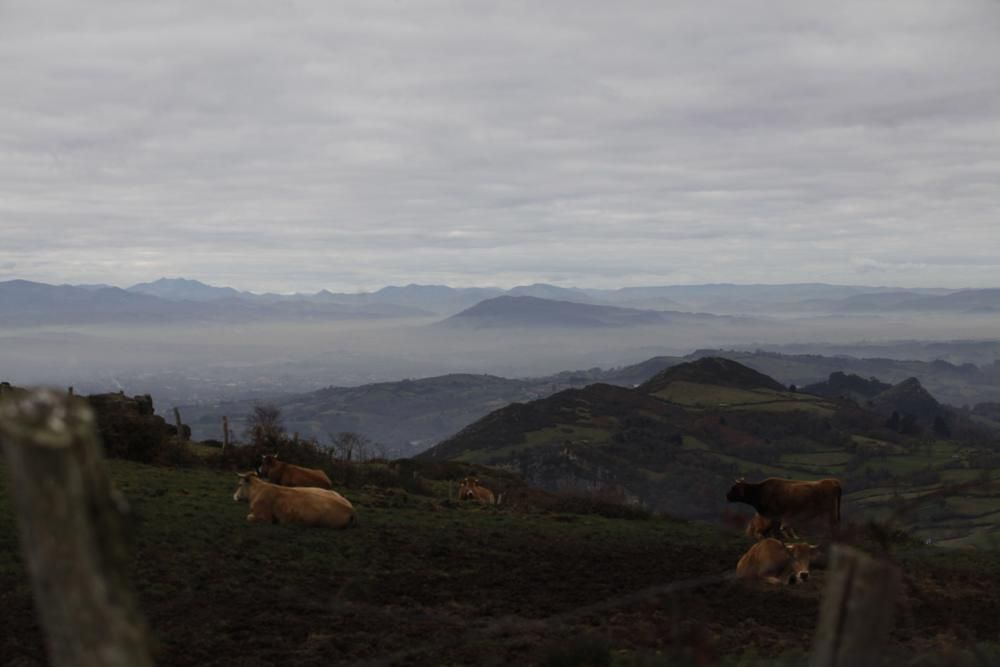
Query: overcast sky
{"x": 295, "y": 146}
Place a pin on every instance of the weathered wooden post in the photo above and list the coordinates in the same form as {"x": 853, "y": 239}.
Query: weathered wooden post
{"x": 69, "y": 520}
{"x": 70, "y": 391}
{"x": 225, "y": 433}
{"x": 857, "y": 610}
{"x": 179, "y": 423}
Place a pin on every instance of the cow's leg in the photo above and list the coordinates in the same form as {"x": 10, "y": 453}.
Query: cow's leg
{"x": 774, "y": 580}
{"x": 259, "y": 515}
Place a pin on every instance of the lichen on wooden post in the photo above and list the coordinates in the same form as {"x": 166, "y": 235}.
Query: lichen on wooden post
{"x": 70, "y": 525}
{"x": 857, "y": 609}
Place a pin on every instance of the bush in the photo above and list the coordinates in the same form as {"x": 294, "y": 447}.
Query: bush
{"x": 306, "y": 453}
{"x": 128, "y": 428}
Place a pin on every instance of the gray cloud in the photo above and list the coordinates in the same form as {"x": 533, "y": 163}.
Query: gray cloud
{"x": 285, "y": 146}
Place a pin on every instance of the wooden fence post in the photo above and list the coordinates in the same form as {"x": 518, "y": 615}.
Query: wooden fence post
{"x": 857, "y": 610}
{"x": 69, "y": 520}
{"x": 179, "y": 423}
{"x": 225, "y": 433}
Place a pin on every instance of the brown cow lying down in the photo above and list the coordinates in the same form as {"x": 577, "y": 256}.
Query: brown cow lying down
{"x": 270, "y": 503}
{"x": 759, "y": 527}
{"x": 286, "y": 474}
{"x": 790, "y": 502}
{"x": 775, "y": 562}
{"x": 471, "y": 489}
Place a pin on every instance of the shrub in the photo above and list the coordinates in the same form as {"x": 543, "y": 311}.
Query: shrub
{"x": 128, "y": 427}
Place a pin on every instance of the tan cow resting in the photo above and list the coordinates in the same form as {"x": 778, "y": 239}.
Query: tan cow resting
{"x": 790, "y": 502}
{"x": 471, "y": 489}
{"x": 759, "y": 527}
{"x": 286, "y": 474}
{"x": 775, "y": 562}
{"x": 271, "y": 503}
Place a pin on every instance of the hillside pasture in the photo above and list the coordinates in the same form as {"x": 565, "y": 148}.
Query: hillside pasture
{"x": 427, "y": 581}
{"x": 699, "y": 395}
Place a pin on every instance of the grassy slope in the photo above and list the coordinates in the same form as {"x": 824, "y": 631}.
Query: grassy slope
{"x": 433, "y": 583}
{"x": 580, "y": 422}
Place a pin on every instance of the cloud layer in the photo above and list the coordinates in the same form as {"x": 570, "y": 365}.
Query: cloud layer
{"x": 289, "y": 146}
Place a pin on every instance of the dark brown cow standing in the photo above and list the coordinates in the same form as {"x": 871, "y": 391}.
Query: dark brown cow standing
{"x": 789, "y": 502}
{"x": 286, "y": 474}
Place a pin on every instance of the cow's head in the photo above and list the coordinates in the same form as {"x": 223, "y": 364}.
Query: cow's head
{"x": 801, "y": 555}
{"x": 266, "y": 463}
{"x": 738, "y": 492}
{"x": 243, "y": 490}
{"x": 467, "y": 489}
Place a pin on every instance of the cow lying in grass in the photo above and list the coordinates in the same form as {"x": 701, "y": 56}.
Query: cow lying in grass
{"x": 270, "y": 503}
{"x": 471, "y": 489}
{"x": 758, "y": 527}
{"x": 775, "y": 562}
{"x": 286, "y": 474}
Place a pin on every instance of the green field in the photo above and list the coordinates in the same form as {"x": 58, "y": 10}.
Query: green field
{"x": 696, "y": 395}
{"x": 424, "y": 581}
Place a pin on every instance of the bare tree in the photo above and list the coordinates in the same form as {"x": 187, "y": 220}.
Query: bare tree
{"x": 351, "y": 446}
{"x": 265, "y": 427}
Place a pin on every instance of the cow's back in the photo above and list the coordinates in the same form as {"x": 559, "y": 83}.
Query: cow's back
{"x": 292, "y": 475}
{"x": 313, "y": 506}
{"x": 767, "y": 558}
{"x": 780, "y": 496}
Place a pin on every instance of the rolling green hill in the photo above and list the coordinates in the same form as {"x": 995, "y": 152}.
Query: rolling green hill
{"x": 675, "y": 443}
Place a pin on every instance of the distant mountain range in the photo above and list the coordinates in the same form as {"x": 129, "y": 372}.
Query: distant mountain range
{"x": 533, "y": 312}
{"x": 25, "y": 303}
{"x": 716, "y": 299}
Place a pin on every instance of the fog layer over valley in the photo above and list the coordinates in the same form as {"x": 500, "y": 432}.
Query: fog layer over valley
{"x": 188, "y": 363}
